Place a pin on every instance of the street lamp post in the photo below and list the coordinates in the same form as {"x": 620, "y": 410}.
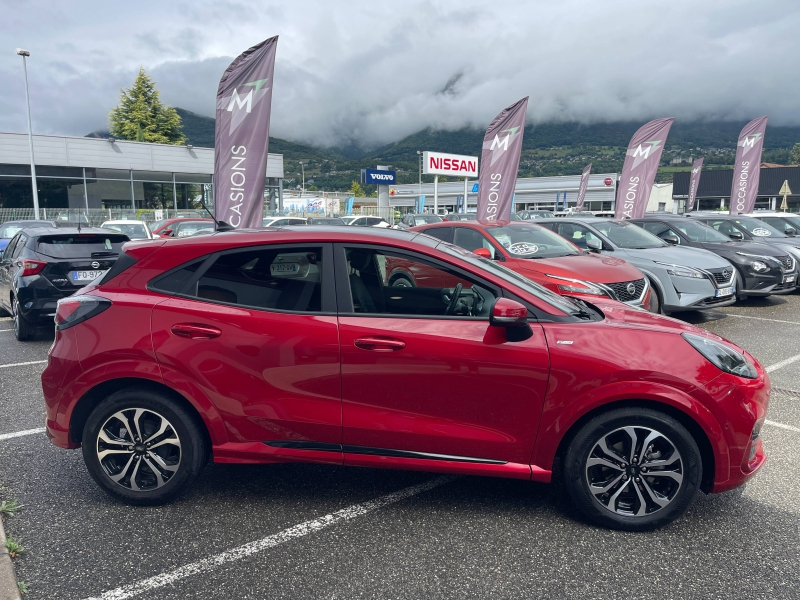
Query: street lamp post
{"x": 24, "y": 54}
{"x": 419, "y": 153}
{"x": 303, "y": 186}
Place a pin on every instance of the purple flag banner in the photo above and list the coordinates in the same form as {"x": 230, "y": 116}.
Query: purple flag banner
{"x": 502, "y": 145}
{"x": 582, "y": 189}
{"x": 640, "y": 168}
{"x": 747, "y": 168}
{"x": 694, "y": 183}
{"x": 244, "y": 103}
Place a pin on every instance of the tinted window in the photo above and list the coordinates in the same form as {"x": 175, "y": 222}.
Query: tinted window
{"x": 172, "y": 282}
{"x": 21, "y": 241}
{"x": 577, "y": 234}
{"x": 472, "y": 239}
{"x": 267, "y": 278}
{"x": 628, "y": 235}
{"x": 76, "y": 245}
{"x": 396, "y": 284}
{"x": 9, "y": 249}
{"x": 440, "y": 233}
{"x": 699, "y": 232}
{"x": 135, "y": 231}
{"x": 724, "y": 227}
{"x": 157, "y": 225}
{"x": 660, "y": 229}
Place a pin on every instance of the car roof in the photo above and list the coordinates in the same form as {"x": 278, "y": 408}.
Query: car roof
{"x": 479, "y": 224}
{"x": 123, "y": 222}
{"x": 588, "y": 220}
{"x": 40, "y": 231}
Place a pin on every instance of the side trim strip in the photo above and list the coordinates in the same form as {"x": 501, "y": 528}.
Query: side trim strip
{"x": 302, "y": 445}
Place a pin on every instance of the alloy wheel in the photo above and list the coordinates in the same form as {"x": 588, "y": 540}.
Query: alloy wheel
{"x": 634, "y": 471}
{"x": 139, "y": 449}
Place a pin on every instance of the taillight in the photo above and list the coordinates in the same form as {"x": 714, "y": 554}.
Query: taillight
{"x": 77, "y": 309}
{"x": 31, "y": 267}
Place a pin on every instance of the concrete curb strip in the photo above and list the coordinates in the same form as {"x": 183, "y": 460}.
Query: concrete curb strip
{"x": 8, "y": 580}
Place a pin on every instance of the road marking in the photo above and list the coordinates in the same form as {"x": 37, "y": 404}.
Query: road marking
{"x": 2, "y": 330}
{"x": 763, "y": 319}
{"x": 16, "y": 434}
{"x": 783, "y": 363}
{"x": 782, "y": 426}
{"x": 22, "y": 364}
{"x": 297, "y": 531}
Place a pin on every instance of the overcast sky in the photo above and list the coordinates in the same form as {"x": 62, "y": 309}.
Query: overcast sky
{"x": 372, "y": 72}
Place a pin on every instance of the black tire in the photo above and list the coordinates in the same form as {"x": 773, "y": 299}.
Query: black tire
{"x": 189, "y": 456}
{"x": 402, "y": 281}
{"x": 24, "y": 330}
{"x": 623, "y": 497}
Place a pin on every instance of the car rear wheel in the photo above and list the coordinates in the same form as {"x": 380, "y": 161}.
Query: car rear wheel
{"x": 633, "y": 469}
{"x": 23, "y": 329}
{"x": 142, "y": 447}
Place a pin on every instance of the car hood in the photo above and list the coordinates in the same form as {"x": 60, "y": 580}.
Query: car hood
{"x": 786, "y": 241}
{"x": 746, "y": 247}
{"x": 679, "y": 255}
{"x": 595, "y": 268}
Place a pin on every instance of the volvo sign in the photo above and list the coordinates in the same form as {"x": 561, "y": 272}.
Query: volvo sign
{"x": 376, "y": 177}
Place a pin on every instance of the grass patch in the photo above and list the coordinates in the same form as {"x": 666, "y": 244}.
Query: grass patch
{"x": 22, "y": 587}
{"x": 8, "y": 508}
{"x": 14, "y": 548}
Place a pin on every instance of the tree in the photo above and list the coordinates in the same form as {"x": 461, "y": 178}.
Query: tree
{"x": 356, "y": 190}
{"x": 141, "y": 117}
{"x": 312, "y": 188}
{"x": 794, "y": 156}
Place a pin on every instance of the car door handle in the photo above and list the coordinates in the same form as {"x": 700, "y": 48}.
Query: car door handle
{"x": 379, "y": 344}
{"x": 195, "y": 331}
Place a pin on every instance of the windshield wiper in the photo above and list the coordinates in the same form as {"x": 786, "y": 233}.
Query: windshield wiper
{"x": 582, "y": 311}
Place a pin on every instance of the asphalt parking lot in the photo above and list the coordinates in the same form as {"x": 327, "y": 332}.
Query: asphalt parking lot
{"x": 304, "y": 531}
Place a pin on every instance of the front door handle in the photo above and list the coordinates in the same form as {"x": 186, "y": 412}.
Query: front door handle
{"x": 379, "y": 344}
{"x": 195, "y": 331}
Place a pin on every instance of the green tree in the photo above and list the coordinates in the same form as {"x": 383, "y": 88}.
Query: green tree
{"x": 794, "y": 156}
{"x": 356, "y": 190}
{"x": 141, "y": 117}
{"x": 312, "y": 188}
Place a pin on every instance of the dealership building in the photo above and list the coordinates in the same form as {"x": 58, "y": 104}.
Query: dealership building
{"x": 81, "y": 173}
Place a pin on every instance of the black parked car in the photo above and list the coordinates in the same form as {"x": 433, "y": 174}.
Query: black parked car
{"x": 750, "y": 229}
{"x": 40, "y": 266}
{"x": 335, "y": 221}
{"x": 761, "y": 269}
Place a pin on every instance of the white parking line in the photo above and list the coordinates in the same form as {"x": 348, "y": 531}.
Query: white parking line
{"x": 782, "y": 426}
{"x": 2, "y": 330}
{"x": 783, "y": 363}
{"x": 22, "y": 364}
{"x": 16, "y": 434}
{"x": 763, "y": 319}
{"x": 297, "y": 531}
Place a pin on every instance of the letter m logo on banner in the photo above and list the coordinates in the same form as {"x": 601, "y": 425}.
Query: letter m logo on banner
{"x": 247, "y": 101}
{"x": 498, "y": 143}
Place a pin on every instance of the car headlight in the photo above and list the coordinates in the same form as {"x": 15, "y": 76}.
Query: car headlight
{"x": 577, "y": 286}
{"x": 759, "y": 266}
{"x": 681, "y": 271}
{"x": 722, "y": 356}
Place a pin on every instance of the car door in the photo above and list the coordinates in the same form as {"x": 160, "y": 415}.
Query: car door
{"x": 6, "y": 273}
{"x": 418, "y": 380}
{"x": 255, "y": 329}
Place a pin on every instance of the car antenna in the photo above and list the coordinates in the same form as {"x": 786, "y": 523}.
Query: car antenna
{"x": 79, "y": 223}
{"x": 221, "y": 225}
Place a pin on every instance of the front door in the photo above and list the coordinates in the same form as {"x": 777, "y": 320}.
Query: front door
{"x": 422, "y": 370}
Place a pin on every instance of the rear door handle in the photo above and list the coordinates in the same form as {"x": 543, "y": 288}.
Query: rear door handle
{"x": 196, "y": 331}
{"x": 379, "y": 344}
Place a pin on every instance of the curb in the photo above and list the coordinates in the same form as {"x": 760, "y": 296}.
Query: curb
{"x": 8, "y": 580}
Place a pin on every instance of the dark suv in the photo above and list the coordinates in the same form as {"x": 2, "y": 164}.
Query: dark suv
{"x": 40, "y": 266}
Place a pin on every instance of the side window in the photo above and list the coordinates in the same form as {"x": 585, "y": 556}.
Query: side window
{"x": 440, "y": 233}
{"x": 10, "y": 248}
{"x": 777, "y": 223}
{"x": 192, "y": 227}
{"x": 472, "y": 239}
{"x": 577, "y": 234}
{"x": 296, "y": 222}
{"x": 397, "y": 284}
{"x": 659, "y": 229}
{"x": 722, "y": 226}
{"x": 266, "y": 278}
{"x": 21, "y": 241}
{"x": 173, "y": 282}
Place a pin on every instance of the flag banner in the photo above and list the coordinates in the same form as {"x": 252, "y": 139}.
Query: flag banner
{"x": 747, "y": 168}
{"x": 582, "y": 188}
{"x": 244, "y": 103}
{"x": 694, "y": 183}
{"x": 502, "y": 145}
{"x": 640, "y": 168}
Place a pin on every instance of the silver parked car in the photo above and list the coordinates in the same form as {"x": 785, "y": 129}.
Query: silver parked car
{"x": 682, "y": 278}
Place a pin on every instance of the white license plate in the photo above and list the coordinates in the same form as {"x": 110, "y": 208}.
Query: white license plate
{"x": 84, "y": 276}
{"x": 789, "y": 278}
{"x": 722, "y": 292}
{"x": 284, "y": 267}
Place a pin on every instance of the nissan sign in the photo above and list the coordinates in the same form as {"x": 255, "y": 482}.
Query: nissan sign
{"x": 376, "y": 177}
{"x": 455, "y": 165}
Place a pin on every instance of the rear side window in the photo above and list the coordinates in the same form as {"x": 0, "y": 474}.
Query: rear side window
{"x": 174, "y": 281}
{"x": 440, "y": 233}
{"x": 123, "y": 262}
{"x": 80, "y": 245}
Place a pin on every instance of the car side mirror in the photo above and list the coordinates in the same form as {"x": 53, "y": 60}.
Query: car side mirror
{"x": 736, "y": 235}
{"x": 671, "y": 239}
{"x": 482, "y": 252}
{"x": 594, "y": 245}
{"x": 508, "y": 313}
{"x": 790, "y": 231}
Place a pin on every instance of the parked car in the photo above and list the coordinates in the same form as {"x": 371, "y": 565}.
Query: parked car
{"x": 365, "y": 221}
{"x": 40, "y": 266}
{"x": 460, "y": 217}
{"x": 10, "y": 228}
{"x": 748, "y": 228}
{"x": 760, "y": 269}
{"x": 240, "y": 347}
{"x": 540, "y": 255}
{"x": 180, "y": 227}
{"x": 527, "y": 215}
{"x": 334, "y": 221}
{"x": 281, "y": 221}
{"x": 415, "y": 220}
{"x": 135, "y": 230}
{"x": 788, "y": 223}
{"x": 682, "y": 278}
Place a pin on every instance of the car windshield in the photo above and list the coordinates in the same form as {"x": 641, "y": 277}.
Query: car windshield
{"x": 9, "y": 230}
{"x": 325, "y": 222}
{"x": 348, "y": 220}
{"x": 463, "y": 217}
{"x": 532, "y": 241}
{"x": 157, "y": 224}
{"x": 524, "y": 283}
{"x": 628, "y": 235}
{"x": 698, "y": 232}
{"x": 135, "y": 231}
{"x": 758, "y": 228}
{"x": 80, "y": 245}
{"x": 793, "y": 220}
{"x": 426, "y": 219}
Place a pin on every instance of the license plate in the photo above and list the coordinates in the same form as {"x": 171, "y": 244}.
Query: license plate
{"x": 789, "y": 278}
{"x": 84, "y": 276}
{"x": 728, "y": 291}
{"x": 284, "y": 267}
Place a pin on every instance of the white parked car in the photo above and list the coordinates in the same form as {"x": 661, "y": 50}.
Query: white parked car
{"x": 136, "y": 230}
{"x": 282, "y": 221}
{"x": 365, "y": 221}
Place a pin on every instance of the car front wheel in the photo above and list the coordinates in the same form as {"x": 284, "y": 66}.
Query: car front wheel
{"x": 143, "y": 447}
{"x": 23, "y": 329}
{"x": 634, "y": 469}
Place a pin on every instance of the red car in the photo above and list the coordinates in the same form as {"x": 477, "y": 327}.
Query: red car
{"x": 181, "y": 227}
{"x": 546, "y": 258}
{"x": 285, "y": 345}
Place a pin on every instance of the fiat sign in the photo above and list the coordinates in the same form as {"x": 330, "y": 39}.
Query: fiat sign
{"x": 456, "y": 165}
